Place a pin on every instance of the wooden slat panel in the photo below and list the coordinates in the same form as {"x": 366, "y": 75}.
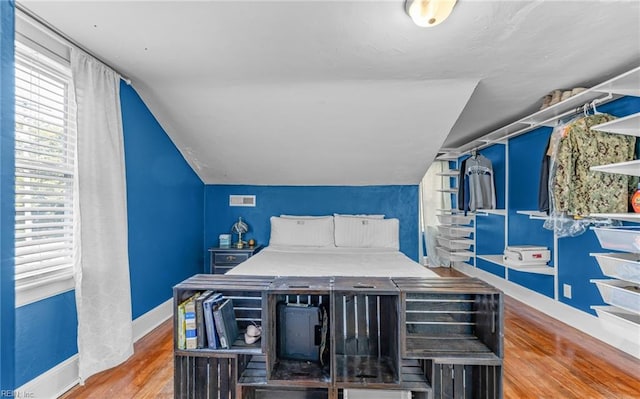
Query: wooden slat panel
{"x": 436, "y": 380}
{"x": 200, "y": 377}
{"x": 213, "y": 380}
{"x": 374, "y": 339}
{"x": 350, "y": 345}
{"x": 459, "y": 383}
{"x": 447, "y": 381}
{"x": 225, "y": 383}
{"x": 360, "y": 315}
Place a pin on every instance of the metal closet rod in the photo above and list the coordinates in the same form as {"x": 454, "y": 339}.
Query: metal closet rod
{"x": 62, "y": 38}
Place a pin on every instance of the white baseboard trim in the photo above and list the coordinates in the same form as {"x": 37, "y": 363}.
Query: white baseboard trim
{"x": 578, "y": 319}
{"x": 144, "y": 324}
{"x": 59, "y": 379}
{"x": 52, "y": 383}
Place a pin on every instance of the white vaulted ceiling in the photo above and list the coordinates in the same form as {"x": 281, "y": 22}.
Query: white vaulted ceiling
{"x": 343, "y": 92}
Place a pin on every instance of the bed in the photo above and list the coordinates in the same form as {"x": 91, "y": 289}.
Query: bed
{"x": 338, "y": 245}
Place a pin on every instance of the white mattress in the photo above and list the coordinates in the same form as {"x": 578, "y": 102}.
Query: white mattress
{"x": 330, "y": 261}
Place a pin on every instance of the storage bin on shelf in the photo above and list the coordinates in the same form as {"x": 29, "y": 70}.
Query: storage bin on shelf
{"x": 623, "y": 319}
{"x": 453, "y": 243}
{"x": 624, "y": 238}
{"x": 455, "y": 231}
{"x": 455, "y": 219}
{"x": 622, "y": 294}
{"x": 458, "y": 255}
{"x": 623, "y": 266}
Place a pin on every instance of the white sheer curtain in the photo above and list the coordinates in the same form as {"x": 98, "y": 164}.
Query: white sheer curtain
{"x": 103, "y": 296}
{"x": 431, "y": 201}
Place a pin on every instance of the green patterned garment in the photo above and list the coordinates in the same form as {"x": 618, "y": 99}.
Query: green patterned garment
{"x": 576, "y": 189}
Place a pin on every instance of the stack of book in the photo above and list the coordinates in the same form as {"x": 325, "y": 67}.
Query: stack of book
{"x": 206, "y": 320}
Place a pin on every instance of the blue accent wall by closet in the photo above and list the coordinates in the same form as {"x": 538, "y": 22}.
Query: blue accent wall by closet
{"x": 165, "y": 201}
{"x": 393, "y": 201}
{"x": 7, "y": 210}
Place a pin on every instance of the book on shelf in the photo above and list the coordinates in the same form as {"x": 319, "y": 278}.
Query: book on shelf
{"x": 226, "y": 323}
{"x": 186, "y": 322}
{"x": 201, "y": 340}
{"x": 190, "y": 331}
{"x": 208, "y": 306}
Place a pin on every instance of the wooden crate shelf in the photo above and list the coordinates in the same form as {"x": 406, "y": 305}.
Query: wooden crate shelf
{"x": 417, "y": 335}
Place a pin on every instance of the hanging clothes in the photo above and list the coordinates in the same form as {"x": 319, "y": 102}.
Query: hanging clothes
{"x": 543, "y": 186}
{"x": 576, "y": 189}
{"x": 479, "y": 174}
{"x": 463, "y": 188}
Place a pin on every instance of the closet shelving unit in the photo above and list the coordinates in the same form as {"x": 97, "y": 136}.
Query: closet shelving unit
{"x": 622, "y": 291}
{"x": 455, "y": 229}
{"x": 622, "y": 85}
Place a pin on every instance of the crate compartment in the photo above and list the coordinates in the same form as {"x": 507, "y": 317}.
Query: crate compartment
{"x": 626, "y": 238}
{"x": 623, "y": 266}
{"x": 289, "y": 302}
{"x": 620, "y": 293}
{"x": 192, "y": 373}
{"x": 455, "y": 219}
{"x": 366, "y": 339}
{"x": 247, "y": 297}
{"x": 458, "y": 380}
{"x": 455, "y": 231}
{"x": 365, "y": 334}
{"x": 454, "y": 243}
{"x": 449, "y": 325}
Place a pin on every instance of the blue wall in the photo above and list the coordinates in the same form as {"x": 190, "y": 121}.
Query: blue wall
{"x": 394, "y": 201}
{"x": 7, "y": 211}
{"x": 165, "y": 201}
{"x": 525, "y": 160}
{"x": 46, "y": 334}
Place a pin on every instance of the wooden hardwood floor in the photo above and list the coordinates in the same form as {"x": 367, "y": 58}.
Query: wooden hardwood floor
{"x": 544, "y": 358}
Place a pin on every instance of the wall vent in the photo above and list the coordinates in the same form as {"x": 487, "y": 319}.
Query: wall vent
{"x": 242, "y": 200}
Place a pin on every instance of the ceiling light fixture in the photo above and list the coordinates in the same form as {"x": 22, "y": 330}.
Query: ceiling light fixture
{"x": 427, "y": 13}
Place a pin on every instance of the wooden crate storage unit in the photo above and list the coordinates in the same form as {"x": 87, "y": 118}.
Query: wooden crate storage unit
{"x": 214, "y": 373}
{"x": 435, "y": 338}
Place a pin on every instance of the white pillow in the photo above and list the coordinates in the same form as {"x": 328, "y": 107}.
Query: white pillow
{"x": 314, "y": 232}
{"x": 364, "y": 232}
{"x": 361, "y": 216}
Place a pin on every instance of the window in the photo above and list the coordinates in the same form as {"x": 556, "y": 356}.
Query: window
{"x": 44, "y": 173}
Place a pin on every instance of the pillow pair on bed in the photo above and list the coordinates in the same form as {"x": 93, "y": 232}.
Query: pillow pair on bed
{"x": 352, "y": 231}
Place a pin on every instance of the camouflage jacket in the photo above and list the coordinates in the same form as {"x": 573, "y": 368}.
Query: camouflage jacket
{"x": 577, "y": 190}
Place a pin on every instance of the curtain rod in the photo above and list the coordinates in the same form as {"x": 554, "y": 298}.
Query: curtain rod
{"x": 62, "y": 38}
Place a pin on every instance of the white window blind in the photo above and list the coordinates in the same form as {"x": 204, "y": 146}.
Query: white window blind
{"x": 44, "y": 169}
